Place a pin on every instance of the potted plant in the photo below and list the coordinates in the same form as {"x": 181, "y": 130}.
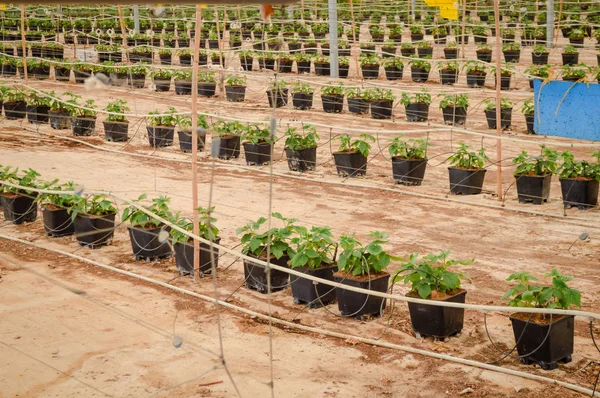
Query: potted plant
{"x": 183, "y": 81}
{"x": 454, "y": 109}
{"x": 388, "y": 50}
{"x": 55, "y": 210}
{"x": 407, "y": 50}
{"x": 430, "y": 278}
{"x": 416, "y": 105}
{"x": 83, "y": 116}
{"x": 94, "y": 220}
{"x": 448, "y": 72}
{"x": 369, "y": 65}
{"x": 275, "y": 242}
{"x": 161, "y": 127}
{"x": 528, "y": 112}
{"x": 116, "y": 124}
{"x": 570, "y": 55}
{"x": 302, "y": 95}
{"x": 506, "y": 106}
{"x": 419, "y": 70}
{"x": 416, "y": 32}
{"x": 185, "y": 57}
{"x": 322, "y": 65}
{"x": 59, "y": 116}
{"x": 228, "y": 134}
{"x": 332, "y": 97}
{"x": 183, "y": 245}
{"x": 538, "y": 72}
{"x": 466, "y": 170}
{"x": 83, "y": 70}
{"x": 314, "y": 255}
{"x": 38, "y": 106}
{"x": 357, "y": 103}
{"x": 207, "y": 84}
{"x": 409, "y": 160}
{"x": 277, "y": 94}
{"x": 351, "y": 156}
{"x": 235, "y": 88}
{"x": 301, "y": 148}
{"x": 393, "y": 68}
{"x": 534, "y": 175}
{"x": 184, "y": 132}
{"x": 161, "y": 78}
{"x": 541, "y": 338}
{"x": 363, "y": 267}
{"x": 450, "y": 50}
{"x": 381, "y": 102}
{"x": 165, "y": 55}
{"x": 484, "y": 53}
{"x": 480, "y": 33}
{"x": 303, "y": 62}
{"x": 576, "y": 37}
{"x": 62, "y": 70}
{"x": 506, "y": 72}
{"x": 19, "y": 204}
{"x": 257, "y": 142}
{"x": 539, "y": 55}
{"x": 38, "y": 69}
{"x": 149, "y": 236}
{"x": 424, "y": 49}
{"x": 14, "y": 104}
{"x": 246, "y": 59}
{"x": 579, "y": 181}
{"x": 574, "y": 73}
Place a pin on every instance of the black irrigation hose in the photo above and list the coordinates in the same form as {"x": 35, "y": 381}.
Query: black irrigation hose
{"x": 598, "y": 349}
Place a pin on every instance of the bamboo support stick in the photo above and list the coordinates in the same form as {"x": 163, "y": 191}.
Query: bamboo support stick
{"x": 195, "y": 140}
{"x": 498, "y": 101}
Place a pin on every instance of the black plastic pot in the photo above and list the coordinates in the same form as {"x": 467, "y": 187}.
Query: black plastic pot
{"x": 41, "y": 73}
{"x": 277, "y": 98}
{"x": 417, "y": 112}
{"x": 448, "y": 76}
{"x": 257, "y": 154}
{"x": 424, "y": 52}
{"x": 436, "y": 321}
{"x": 80, "y": 76}
{"x": 450, "y": 53}
{"x": 185, "y": 60}
{"x": 302, "y": 101}
{"x": 165, "y": 59}
{"x": 207, "y": 89}
{"x": 551, "y": 342}
{"x": 534, "y": 189}
{"x": 570, "y": 59}
{"x": 408, "y": 171}
{"x": 183, "y": 87}
{"x": 512, "y": 56}
{"x": 38, "y": 114}
{"x": 301, "y": 160}
{"x": 229, "y": 147}
{"x": 350, "y": 164}
{"x": 393, "y": 73}
{"x": 455, "y": 115}
{"x": 303, "y": 66}
{"x": 370, "y": 71}
{"x": 94, "y": 231}
{"x": 185, "y": 140}
{"x": 235, "y": 93}
{"x": 162, "y": 86}
{"x": 484, "y": 56}
{"x": 119, "y": 79}
{"x": 539, "y": 58}
{"x": 382, "y": 109}
{"x": 322, "y": 68}
{"x": 307, "y": 292}
{"x": 475, "y": 80}
{"x": 505, "y": 118}
{"x": 504, "y": 82}
{"x": 529, "y": 121}
{"x": 19, "y": 208}
{"x": 247, "y": 63}
{"x": 359, "y": 304}
{"x": 15, "y": 110}
{"x": 115, "y": 131}
{"x": 332, "y": 103}
{"x": 419, "y": 75}
{"x": 184, "y": 257}
{"x": 160, "y": 136}
{"x": 408, "y": 52}
{"x": 62, "y": 74}
{"x": 466, "y": 181}
{"x": 256, "y": 275}
{"x": 358, "y": 105}
{"x": 146, "y": 244}
{"x": 83, "y": 127}
{"x": 416, "y": 37}
{"x": 57, "y": 222}
{"x": 60, "y": 120}
{"x": 582, "y": 194}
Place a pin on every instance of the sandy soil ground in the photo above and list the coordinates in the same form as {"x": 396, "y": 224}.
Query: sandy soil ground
{"x": 70, "y": 329}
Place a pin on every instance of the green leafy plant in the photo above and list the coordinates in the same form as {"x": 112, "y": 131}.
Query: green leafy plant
{"x": 207, "y": 77}
{"x": 431, "y": 274}
{"x": 371, "y": 259}
{"x": 161, "y": 74}
{"x": 465, "y": 159}
{"x": 574, "y": 71}
{"x": 255, "y": 242}
{"x": 185, "y": 122}
{"x": 257, "y": 134}
{"x": 393, "y": 63}
{"x": 490, "y": 104}
{"x": 361, "y": 144}
{"x": 448, "y": 66}
{"x": 571, "y": 168}
{"x": 454, "y": 100}
{"x": 59, "y": 200}
{"x": 302, "y": 88}
{"x": 333, "y": 90}
{"x": 139, "y": 219}
{"x": 85, "y": 110}
{"x": 39, "y": 99}
{"x": 412, "y": 149}
{"x": 540, "y": 49}
{"x": 569, "y": 49}
{"x": 314, "y": 248}
{"x": 528, "y": 107}
{"x": 378, "y": 94}
{"x": 298, "y": 140}
{"x": 556, "y": 296}
{"x": 538, "y": 70}
{"x": 513, "y": 46}
{"x": 236, "y": 80}
{"x": 27, "y": 178}
{"x": 206, "y": 227}
{"x": 92, "y": 205}
{"x": 544, "y": 164}
{"x": 168, "y": 119}
{"x": 117, "y": 110}
{"x": 416, "y": 98}
{"x": 420, "y": 64}
{"x": 222, "y": 128}
{"x": 14, "y": 94}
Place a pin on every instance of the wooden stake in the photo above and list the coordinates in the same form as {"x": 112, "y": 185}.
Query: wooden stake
{"x": 464, "y": 17}
{"x": 24, "y": 47}
{"x": 195, "y": 139}
{"x": 560, "y": 7}
{"x": 123, "y": 31}
{"x": 219, "y": 40}
{"x": 498, "y": 102}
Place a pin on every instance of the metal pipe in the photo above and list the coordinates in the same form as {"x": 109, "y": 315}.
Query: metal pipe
{"x": 136, "y": 18}
{"x": 334, "y": 65}
{"x": 550, "y": 23}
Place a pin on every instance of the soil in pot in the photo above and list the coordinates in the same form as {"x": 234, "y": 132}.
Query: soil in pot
{"x": 350, "y": 164}
{"x": 533, "y": 188}
{"x": 229, "y": 147}
{"x": 185, "y": 140}
{"x": 357, "y": 305}
{"x": 146, "y": 244}
{"x": 505, "y": 118}
{"x": 15, "y": 110}
{"x": 417, "y": 112}
{"x": 83, "y": 127}
{"x": 455, "y": 115}
{"x": 57, "y": 221}
{"x": 257, "y": 154}
{"x": 277, "y": 98}
{"x": 184, "y": 257}
{"x": 115, "y": 131}
{"x": 333, "y": 103}
{"x": 581, "y": 193}
{"x": 310, "y": 294}
{"x": 301, "y": 160}
{"x": 94, "y": 231}
{"x": 381, "y": 109}
{"x": 38, "y": 114}
{"x": 302, "y": 101}
{"x": 543, "y": 341}
{"x": 60, "y": 120}
{"x": 235, "y": 93}
{"x": 19, "y": 208}
{"x": 408, "y": 171}
{"x": 256, "y": 275}
{"x": 160, "y": 136}
{"x": 436, "y": 321}
{"x": 466, "y": 181}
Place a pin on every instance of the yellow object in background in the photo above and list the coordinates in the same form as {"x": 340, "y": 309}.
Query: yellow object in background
{"x": 448, "y": 8}
{"x": 3, "y": 7}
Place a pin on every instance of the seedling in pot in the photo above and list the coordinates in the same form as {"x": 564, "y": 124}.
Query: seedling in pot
{"x": 257, "y": 134}
{"x": 544, "y": 164}
{"x": 411, "y": 149}
{"x": 139, "y": 219}
{"x": 255, "y": 242}
{"x": 361, "y": 144}
{"x": 206, "y": 227}
{"x": 92, "y": 205}
{"x": 117, "y": 110}
{"x": 417, "y": 98}
{"x": 314, "y": 248}
{"x": 306, "y": 138}
{"x": 454, "y": 100}
{"x": 236, "y": 80}
{"x": 463, "y": 158}
{"x": 371, "y": 259}
{"x": 505, "y": 103}
{"x": 168, "y": 119}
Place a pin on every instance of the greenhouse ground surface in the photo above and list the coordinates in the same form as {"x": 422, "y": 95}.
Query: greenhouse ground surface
{"x": 88, "y": 332}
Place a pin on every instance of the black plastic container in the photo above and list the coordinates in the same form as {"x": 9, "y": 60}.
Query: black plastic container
{"x": 529, "y": 121}
{"x": 475, "y": 80}
{"x": 332, "y": 103}
{"x": 302, "y": 159}
{"x": 235, "y": 93}
{"x": 277, "y": 98}
{"x": 424, "y": 52}
{"x": 60, "y": 120}
{"x": 229, "y": 147}
{"x": 582, "y": 194}
{"x": 303, "y": 66}
{"x": 160, "y": 136}
{"x": 393, "y": 73}
{"x": 370, "y": 71}
{"x": 466, "y": 181}
{"x": 417, "y": 112}
{"x": 62, "y": 74}
{"x": 83, "y": 127}
{"x": 322, "y": 68}
{"x": 146, "y": 244}
{"x": 570, "y": 59}
{"x": 19, "y": 208}
{"x": 115, "y": 131}
{"x": 257, "y": 154}
{"x": 162, "y": 86}
{"x": 505, "y": 118}
{"x": 185, "y": 140}
{"x": 539, "y": 58}
{"x": 94, "y": 231}
{"x": 15, "y": 110}
{"x": 450, "y": 53}
{"x": 138, "y": 81}
{"x": 350, "y": 164}
{"x": 57, "y": 222}
{"x": 382, "y": 109}
{"x": 183, "y": 87}
{"x": 558, "y": 344}
{"x": 504, "y": 82}
{"x": 358, "y": 105}
{"x": 256, "y": 275}
{"x": 455, "y": 115}
{"x": 408, "y": 171}
{"x": 484, "y": 56}
{"x": 38, "y": 114}
{"x": 207, "y": 89}
{"x": 359, "y": 304}
{"x": 419, "y": 75}
{"x": 436, "y": 321}
{"x": 184, "y": 257}
{"x": 307, "y": 292}
{"x": 448, "y": 76}
{"x": 534, "y": 189}
{"x": 512, "y": 56}
{"x": 302, "y": 101}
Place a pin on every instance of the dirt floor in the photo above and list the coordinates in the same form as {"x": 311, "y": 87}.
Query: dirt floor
{"x": 68, "y": 329}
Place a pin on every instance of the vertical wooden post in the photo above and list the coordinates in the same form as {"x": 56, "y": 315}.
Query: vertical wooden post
{"x": 498, "y": 101}
{"x": 24, "y": 47}
{"x": 219, "y": 40}
{"x": 195, "y": 139}
{"x": 123, "y": 31}
{"x": 464, "y": 17}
